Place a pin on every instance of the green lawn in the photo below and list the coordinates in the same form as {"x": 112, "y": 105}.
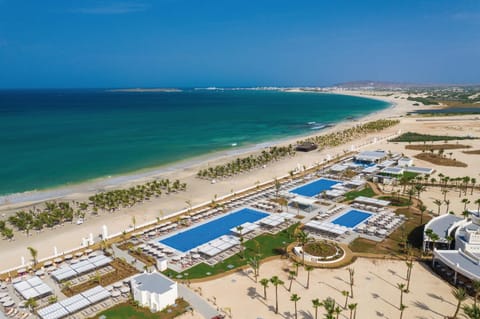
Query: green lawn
{"x": 264, "y": 246}
{"x": 127, "y": 310}
{"x": 367, "y": 192}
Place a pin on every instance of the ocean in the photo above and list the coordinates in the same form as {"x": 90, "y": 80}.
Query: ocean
{"x": 52, "y": 138}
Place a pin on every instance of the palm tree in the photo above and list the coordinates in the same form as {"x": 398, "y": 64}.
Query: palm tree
{"x": 315, "y": 304}
{"x": 422, "y": 208}
{"x": 31, "y": 304}
{"x": 351, "y": 273}
{"x": 276, "y": 281}
{"x": 447, "y": 202}
{"x": 471, "y": 312}
{"x": 291, "y": 276}
{"x": 308, "y": 269}
{"x": 473, "y": 181}
{"x": 401, "y": 287}
{"x": 476, "y": 289}
{"x": 439, "y": 204}
{"x": 337, "y": 311}
{"x": 461, "y": 295}
{"x": 409, "y": 264}
{"x": 134, "y": 222}
{"x": 465, "y": 202}
{"x": 264, "y": 282}
{"x": 419, "y": 188}
{"x": 303, "y": 239}
{"x": 352, "y": 307}
{"x": 34, "y": 254}
{"x": 402, "y": 309}
{"x": 329, "y": 306}
{"x": 478, "y": 203}
{"x": 346, "y": 294}
{"x": 295, "y": 298}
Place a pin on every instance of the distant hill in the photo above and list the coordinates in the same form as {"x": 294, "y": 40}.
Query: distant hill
{"x": 395, "y": 85}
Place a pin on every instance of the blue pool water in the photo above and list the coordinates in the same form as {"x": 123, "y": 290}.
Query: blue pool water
{"x": 202, "y": 234}
{"x": 351, "y": 218}
{"x": 314, "y": 188}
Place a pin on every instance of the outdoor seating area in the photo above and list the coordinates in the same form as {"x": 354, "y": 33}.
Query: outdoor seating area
{"x": 75, "y": 269}
{"x": 74, "y": 304}
{"x": 381, "y": 224}
{"x": 32, "y": 287}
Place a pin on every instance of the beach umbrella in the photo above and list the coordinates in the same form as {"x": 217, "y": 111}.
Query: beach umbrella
{"x": 9, "y": 304}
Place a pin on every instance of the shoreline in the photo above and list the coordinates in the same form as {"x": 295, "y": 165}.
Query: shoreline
{"x": 13, "y": 201}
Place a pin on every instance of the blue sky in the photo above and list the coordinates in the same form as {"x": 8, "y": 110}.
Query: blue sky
{"x": 179, "y": 43}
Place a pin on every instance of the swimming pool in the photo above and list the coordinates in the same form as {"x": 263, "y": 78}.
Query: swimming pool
{"x": 314, "y": 188}
{"x": 352, "y": 218}
{"x": 204, "y": 233}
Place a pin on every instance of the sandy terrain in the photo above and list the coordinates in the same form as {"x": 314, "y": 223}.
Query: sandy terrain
{"x": 375, "y": 291}
{"x": 199, "y": 191}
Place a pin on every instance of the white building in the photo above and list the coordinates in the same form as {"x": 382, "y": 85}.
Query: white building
{"x": 405, "y": 162}
{"x": 465, "y": 258}
{"x": 154, "y": 291}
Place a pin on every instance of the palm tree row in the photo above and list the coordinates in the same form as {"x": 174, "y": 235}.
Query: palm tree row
{"x": 55, "y": 213}
{"x": 115, "y": 199}
{"x": 463, "y": 184}
{"x": 243, "y": 164}
{"x": 350, "y": 134}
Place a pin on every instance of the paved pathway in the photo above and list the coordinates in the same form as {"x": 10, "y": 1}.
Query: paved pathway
{"x": 196, "y": 302}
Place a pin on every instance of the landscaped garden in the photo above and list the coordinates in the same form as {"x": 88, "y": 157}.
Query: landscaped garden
{"x": 121, "y": 271}
{"x": 263, "y": 246}
{"x": 396, "y": 200}
{"x": 131, "y": 311}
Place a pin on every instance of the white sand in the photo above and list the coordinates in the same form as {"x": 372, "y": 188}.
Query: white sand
{"x": 375, "y": 291}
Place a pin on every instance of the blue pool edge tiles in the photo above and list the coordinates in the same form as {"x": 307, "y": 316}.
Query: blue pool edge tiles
{"x": 314, "y": 188}
{"x": 198, "y": 235}
{"x": 352, "y": 218}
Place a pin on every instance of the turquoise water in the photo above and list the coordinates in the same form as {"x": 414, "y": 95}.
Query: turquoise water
{"x": 314, "y": 188}
{"x": 352, "y": 218}
{"x": 196, "y": 236}
{"x": 51, "y": 138}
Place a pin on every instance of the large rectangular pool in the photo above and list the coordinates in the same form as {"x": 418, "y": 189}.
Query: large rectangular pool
{"x": 352, "y": 218}
{"x": 314, "y": 188}
{"x": 199, "y": 235}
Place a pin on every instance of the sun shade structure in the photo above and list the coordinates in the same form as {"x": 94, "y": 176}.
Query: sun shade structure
{"x": 371, "y": 201}
{"x": 33, "y": 287}
{"x": 327, "y": 227}
{"x": 67, "y": 272}
{"x": 73, "y": 304}
{"x": 245, "y": 228}
{"x": 218, "y": 245}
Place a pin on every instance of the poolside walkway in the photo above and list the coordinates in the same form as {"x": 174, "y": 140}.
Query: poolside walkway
{"x": 197, "y": 302}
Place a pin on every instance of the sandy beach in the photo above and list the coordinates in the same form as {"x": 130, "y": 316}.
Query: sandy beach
{"x": 69, "y": 236}
{"x": 375, "y": 291}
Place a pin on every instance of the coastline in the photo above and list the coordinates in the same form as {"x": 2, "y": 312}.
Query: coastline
{"x": 10, "y": 202}
{"x": 68, "y": 236}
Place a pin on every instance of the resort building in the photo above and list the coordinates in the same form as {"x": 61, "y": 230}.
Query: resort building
{"x": 154, "y": 290}
{"x": 465, "y": 258}
{"x": 371, "y": 156}
{"x": 405, "y": 162}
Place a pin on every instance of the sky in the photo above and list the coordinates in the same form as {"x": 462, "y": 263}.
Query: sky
{"x": 199, "y": 43}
